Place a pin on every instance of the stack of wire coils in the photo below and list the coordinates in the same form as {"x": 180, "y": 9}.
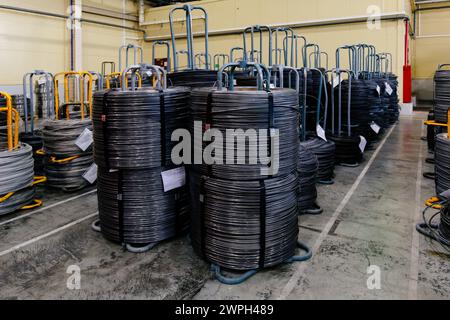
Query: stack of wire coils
{"x": 381, "y": 117}
{"x": 442, "y": 163}
{"x": 243, "y": 217}
{"x": 40, "y": 89}
{"x": 313, "y": 94}
{"x": 393, "y": 108}
{"x": 324, "y": 150}
{"x": 65, "y": 163}
{"x": 325, "y": 154}
{"x": 132, "y": 138}
{"x": 18, "y": 103}
{"x": 36, "y": 142}
{"x": 343, "y": 130}
{"x": 196, "y": 78}
{"x": 16, "y": 178}
{"x": 365, "y": 107}
{"x": 442, "y": 95}
{"x": 307, "y": 173}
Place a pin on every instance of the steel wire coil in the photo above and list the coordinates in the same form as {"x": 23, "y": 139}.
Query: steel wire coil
{"x": 59, "y": 143}
{"x": 325, "y": 153}
{"x": 16, "y": 175}
{"x": 246, "y": 108}
{"x": 442, "y": 95}
{"x": 307, "y": 173}
{"x": 365, "y": 107}
{"x": 444, "y": 226}
{"x": 135, "y": 210}
{"x": 193, "y": 78}
{"x": 131, "y": 135}
{"x": 36, "y": 142}
{"x": 347, "y": 149}
{"x": 442, "y": 163}
{"x": 228, "y": 231}
{"x": 393, "y": 109}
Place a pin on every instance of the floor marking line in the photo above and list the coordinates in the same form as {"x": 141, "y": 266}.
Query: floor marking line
{"x": 415, "y": 241}
{"x": 46, "y": 235}
{"x": 47, "y": 207}
{"x": 287, "y": 290}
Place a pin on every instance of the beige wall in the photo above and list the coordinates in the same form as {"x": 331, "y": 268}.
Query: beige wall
{"x": 29, "y": 42}
{"x": 432, "y": 45}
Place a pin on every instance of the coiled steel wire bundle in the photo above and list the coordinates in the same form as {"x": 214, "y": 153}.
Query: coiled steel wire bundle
{"x": 229, "y": 232}
{"x": 149, "y": 215}
{"x": 439, "y": 232}
{"x": 65, "y": 163}
{"x": 442, "y": 161}
{"x": 16, "y": 178}
{"x": 442, "y": 95}
{"x": 365, "y": 107}
{"x": 307, "y": 172}
{"x": 325, "y": 154}
{"x": 132, "y": 138}
{"x": 347, "y": 143}
{"x": 246, "y": 108}
{"x": 393, "y": 109}
{"x": 196, "y": 78}
{"x": 243, "y": 220}
{"x": 133, "y": 126}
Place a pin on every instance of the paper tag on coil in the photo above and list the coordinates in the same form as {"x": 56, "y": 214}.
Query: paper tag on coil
{"x": 389, "y": 89}
{"x": 173, "y": 179}
{"x": 379, "y": 90}
{"x": 272, "y": 86}
{"x": 85, "y": 139}
{"x": 376, "y": 128}
{"x": 445, "y": 194}
{"x": 234, "y": 82}
{"x": 337, "y": 81}
{"x": 321, "y": 133}
{"x": 362, "y": 144}
{"x": 91, "y": 174}
{"x": 41, "y": 81}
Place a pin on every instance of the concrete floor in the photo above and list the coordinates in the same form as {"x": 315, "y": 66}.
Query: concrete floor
{"x": 369, "y": 219}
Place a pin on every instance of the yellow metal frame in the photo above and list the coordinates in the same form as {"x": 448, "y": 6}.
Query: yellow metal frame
{"x": 11, "y": 114}
{"x": 108, "y": 78}
{"x": 437, "y": 124}
{"x": 37, "y": 203}
{"x": 82, "y": 79}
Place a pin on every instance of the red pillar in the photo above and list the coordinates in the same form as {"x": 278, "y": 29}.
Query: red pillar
{"x": 407, "y": 70}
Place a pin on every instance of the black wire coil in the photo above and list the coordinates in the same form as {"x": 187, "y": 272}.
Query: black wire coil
{"x": 36, "y": 142}
{"x": 307, "y": 173}
{"x": 325, "y": 153}
{"x": 135, "y": 210}
{"x": 393, "y": 108}
{"x": 347, "y": 149}
{"x": 365, "y": 107}
{"x": 133, "y": 126}
{"x": 59, "y": 138}
{"x": 227, "y": 226}
{"x": 193, "y": 78}
{"x": 16, "y": 175}
{"x": 246, "y": 108}
{"x": 442, "y": 95}
{"x": 442, "y": 161}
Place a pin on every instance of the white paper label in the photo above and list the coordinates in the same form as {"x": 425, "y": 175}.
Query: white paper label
{"x": 337, "y": 81}
{"x": 173, "y": 179}
{"x": 91, "y": 174}
{"x": 378, "y": 90}
{"x": 321, "y": 133}
{"x": 272, "y": 86}
{"x": 362, "y": 144}
{"x": 85, "y": 139}
{"x": 234, "y": 82}
{"x": 149, "y": 73}
{"x": 389, "y": 89}
{"x": 42, "y": 81}
{"x": 376, "y": 128}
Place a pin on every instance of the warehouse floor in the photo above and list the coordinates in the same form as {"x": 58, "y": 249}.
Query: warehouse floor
{"x": 369, "y": 219}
